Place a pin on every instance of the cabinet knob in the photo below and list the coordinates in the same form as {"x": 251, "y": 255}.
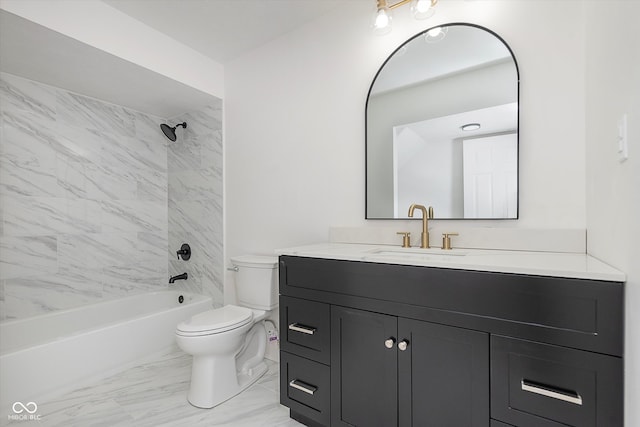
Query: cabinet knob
{"x": 402, "y": 345}
{"x": 389, "y": 342}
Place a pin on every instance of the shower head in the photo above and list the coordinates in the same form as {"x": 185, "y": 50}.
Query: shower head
{"x": 170, "y": 132}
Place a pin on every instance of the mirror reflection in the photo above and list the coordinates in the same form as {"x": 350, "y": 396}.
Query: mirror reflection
{"x": 442, "y": 127}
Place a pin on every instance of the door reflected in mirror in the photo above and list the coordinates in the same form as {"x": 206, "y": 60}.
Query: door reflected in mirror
{"x": 442, "y": 128}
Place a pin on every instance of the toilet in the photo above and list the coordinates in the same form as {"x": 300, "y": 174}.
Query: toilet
{"x": 228, "y": 343}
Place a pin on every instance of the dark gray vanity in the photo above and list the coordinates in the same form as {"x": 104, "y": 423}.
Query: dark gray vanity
{"x": 380, "y": 344}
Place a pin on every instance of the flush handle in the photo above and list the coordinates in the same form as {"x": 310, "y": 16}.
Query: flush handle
{"x": 302, "y": 328}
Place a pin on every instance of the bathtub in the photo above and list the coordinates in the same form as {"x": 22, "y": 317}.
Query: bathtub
{"x": 52, "y": 353}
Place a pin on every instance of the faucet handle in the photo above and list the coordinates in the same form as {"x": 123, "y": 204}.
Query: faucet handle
{"x": 406, "y": 238}
{"x": 446, "y": 240}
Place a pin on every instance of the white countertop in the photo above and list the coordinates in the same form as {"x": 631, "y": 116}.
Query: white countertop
{"x": 554, "y": 264}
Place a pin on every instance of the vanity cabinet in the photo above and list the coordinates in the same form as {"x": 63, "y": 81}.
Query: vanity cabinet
{"x": 386, "y": 345}
{"x": 389, "y": 371}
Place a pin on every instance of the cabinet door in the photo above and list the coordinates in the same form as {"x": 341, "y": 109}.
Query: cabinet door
{"x": 443, "y": 376}
{"x": 363, "y": 370}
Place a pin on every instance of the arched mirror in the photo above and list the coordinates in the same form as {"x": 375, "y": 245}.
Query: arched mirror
{"x": 442, "y": 127}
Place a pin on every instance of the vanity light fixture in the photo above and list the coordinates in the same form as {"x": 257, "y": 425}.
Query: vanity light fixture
{"x": 420, "y": 9}
{"x": 470, "y": 126}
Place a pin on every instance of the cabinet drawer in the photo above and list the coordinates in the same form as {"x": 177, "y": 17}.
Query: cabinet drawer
{"x": 305, "y": 328}
{"x": 305, "y": 387}
{"x": 534, "y": 384}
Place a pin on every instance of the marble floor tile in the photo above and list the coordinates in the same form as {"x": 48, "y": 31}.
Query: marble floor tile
{"x": 153, "y": 394}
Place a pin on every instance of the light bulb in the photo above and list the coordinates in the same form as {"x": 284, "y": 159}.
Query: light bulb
{"x": 422, "y": 9}
{"x": 382, "y": 21}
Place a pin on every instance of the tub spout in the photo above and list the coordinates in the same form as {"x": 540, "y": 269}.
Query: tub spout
{"x": 182, "y": 276}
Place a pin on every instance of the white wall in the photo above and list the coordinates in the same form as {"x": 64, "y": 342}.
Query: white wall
{"x": 423, "y": 168}
{"x": 295, "y": 121}
{"x": 613, "y": 188}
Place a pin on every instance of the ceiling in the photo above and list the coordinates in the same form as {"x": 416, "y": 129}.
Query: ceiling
{"x": 37, "y": 53}
{"x": 220, "y": 29}
{"x": 493, "y": 120}
{"x": 224, "y": 29}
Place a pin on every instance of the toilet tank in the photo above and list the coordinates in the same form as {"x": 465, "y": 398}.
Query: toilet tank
{"x": 256, "y": 280}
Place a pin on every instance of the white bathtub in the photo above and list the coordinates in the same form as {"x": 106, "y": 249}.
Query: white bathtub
{"x": 52, "y": 353}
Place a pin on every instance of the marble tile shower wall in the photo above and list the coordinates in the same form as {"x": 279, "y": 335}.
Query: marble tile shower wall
{"x": 195, "y": 201}
{"x": 83, "y": 200}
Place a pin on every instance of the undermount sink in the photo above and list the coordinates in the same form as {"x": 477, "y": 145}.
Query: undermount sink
{"x": 416, "y": 253}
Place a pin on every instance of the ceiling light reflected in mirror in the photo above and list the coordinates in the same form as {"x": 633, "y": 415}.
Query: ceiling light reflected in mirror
{"x": 470, "y": 126}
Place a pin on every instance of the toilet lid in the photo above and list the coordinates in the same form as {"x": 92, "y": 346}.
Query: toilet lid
{"x": 216, "y": 321}
{"x": 255, "y": 261}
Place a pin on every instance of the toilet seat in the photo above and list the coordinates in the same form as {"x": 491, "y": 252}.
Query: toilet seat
{"x": 215, "y": 321}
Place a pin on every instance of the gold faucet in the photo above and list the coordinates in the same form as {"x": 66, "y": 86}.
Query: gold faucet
{"x": 426, "y": 214}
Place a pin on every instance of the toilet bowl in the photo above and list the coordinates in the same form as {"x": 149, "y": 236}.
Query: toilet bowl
{"x": 228, "y": 343}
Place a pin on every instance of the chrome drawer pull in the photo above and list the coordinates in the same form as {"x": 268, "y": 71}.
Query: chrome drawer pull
{"x": 302, "y": 386}
{"x": 567, "y": 396}
{"x": 301, "y": 328}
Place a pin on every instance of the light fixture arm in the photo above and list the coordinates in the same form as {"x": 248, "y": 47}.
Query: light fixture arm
{"x": 383, "y": 3}
{"x": 400, "y": 3}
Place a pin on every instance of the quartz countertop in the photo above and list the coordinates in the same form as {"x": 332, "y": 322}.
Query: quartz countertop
{"x": 553, "y": 264}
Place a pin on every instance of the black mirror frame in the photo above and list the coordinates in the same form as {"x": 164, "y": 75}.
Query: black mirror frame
{"x": 515, "y": 62}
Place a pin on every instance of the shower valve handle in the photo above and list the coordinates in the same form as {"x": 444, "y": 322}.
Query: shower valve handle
{"x": 184, "y": 252}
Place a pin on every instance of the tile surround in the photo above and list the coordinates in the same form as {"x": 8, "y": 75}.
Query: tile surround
{"x": 93, "y": 197}
{"x": 195, "y": 201}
